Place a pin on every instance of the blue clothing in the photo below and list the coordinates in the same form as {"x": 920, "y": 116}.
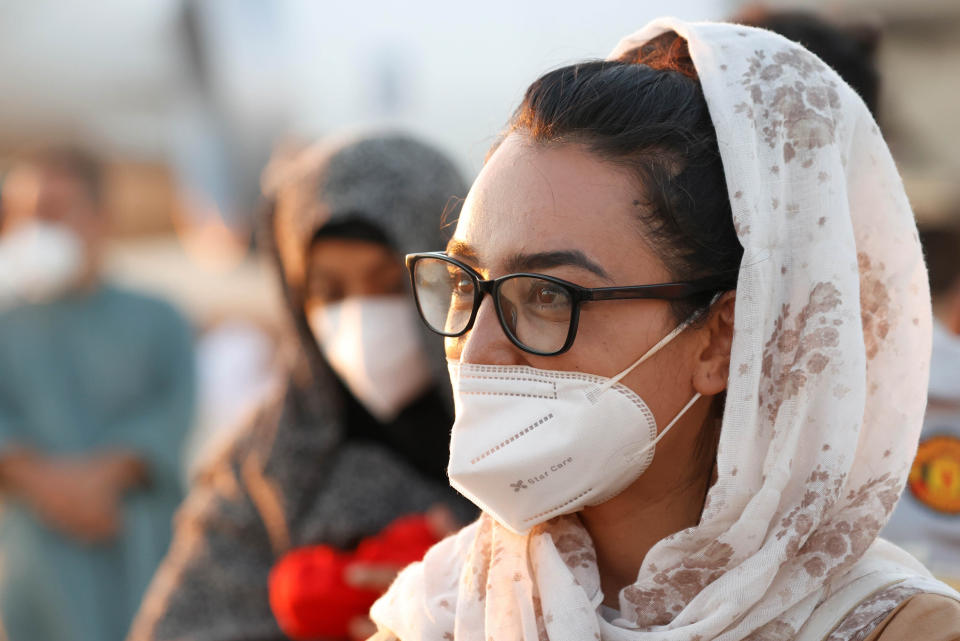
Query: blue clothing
{"x": 106, "y": 370}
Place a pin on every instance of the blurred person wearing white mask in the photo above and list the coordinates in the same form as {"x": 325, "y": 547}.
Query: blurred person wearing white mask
{"x": 96, "y": 395}
{"x": 359, "y": 436}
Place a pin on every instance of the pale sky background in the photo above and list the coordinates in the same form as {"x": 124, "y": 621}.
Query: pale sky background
{"x": 115, "y": 71}
{"x": 117, "y": 74}
{"x": 461, "y": 67}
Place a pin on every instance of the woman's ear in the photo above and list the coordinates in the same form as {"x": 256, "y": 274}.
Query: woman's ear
{"x": 713, "y": 358}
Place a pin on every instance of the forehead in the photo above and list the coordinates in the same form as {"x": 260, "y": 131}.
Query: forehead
{"x": 533, "y": 198}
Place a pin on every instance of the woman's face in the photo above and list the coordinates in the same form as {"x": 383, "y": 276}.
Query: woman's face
{"x": 532, "y": 202}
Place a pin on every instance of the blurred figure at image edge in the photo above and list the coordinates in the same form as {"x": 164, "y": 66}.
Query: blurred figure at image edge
{"x": 96, "y": 396}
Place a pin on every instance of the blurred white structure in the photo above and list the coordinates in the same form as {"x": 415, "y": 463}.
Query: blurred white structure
{"x": 214, "y": 81}
{"x": 237, "y": 369}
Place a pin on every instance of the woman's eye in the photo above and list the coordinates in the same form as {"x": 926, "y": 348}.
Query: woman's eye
{"x": 546, "y": 295}
{"x": 463, "y": 286}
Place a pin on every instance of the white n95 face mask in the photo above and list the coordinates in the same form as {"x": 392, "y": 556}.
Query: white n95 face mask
{"x": 38, "y": 262}
{"x": 531, "y": 444}
{"x": 375, "y": 346}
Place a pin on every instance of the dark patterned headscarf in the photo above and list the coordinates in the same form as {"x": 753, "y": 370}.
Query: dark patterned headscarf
{"x": 405, "y": 190}
{"x": 408, "y": 190}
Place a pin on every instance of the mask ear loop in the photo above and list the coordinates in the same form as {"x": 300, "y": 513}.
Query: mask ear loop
{"x": 696, "y": 397}
{"x": 595, "y": 393}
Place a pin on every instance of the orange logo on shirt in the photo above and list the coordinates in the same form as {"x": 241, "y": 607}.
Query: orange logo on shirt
{"x": 935, "y": 476}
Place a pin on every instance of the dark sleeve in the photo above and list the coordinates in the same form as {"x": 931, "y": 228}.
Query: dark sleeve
{"x": 212, "y": 586}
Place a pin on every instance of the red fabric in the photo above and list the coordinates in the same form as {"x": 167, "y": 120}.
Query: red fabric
{"x": 308, "y": 594}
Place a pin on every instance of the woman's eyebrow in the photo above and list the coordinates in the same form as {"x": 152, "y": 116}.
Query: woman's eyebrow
{"x": 563, "y": 258}
{"x": 460, "y": 249}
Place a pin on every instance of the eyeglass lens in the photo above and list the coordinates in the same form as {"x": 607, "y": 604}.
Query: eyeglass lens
{"x": 535, "y": 311}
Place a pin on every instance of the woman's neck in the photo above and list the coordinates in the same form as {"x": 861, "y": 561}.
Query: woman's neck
{"x": 665, "y": 500}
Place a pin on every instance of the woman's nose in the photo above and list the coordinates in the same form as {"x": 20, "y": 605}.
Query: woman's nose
{"x": 485, "y": 343}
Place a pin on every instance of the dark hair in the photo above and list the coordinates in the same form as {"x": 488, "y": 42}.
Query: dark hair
{"x": 646, "y": 112}
{"x": 849, "y": 49}
{"x": 354, "y": 226}
{"x": 941, "y": 246}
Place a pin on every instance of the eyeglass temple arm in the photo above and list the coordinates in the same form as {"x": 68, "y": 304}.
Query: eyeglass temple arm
{"x": 669, "y": 291}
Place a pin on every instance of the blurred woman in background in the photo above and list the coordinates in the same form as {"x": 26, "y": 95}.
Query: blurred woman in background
{"x": 361, "y": 434}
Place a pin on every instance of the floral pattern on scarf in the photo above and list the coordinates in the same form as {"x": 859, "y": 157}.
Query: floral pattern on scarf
{"x": 823, "y": 410}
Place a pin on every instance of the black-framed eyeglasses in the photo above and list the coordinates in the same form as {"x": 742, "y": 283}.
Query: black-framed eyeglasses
{"x": 538, "y": 313}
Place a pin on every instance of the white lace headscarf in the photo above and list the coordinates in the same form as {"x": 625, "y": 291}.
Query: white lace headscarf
{"x": 826, "y": 394}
